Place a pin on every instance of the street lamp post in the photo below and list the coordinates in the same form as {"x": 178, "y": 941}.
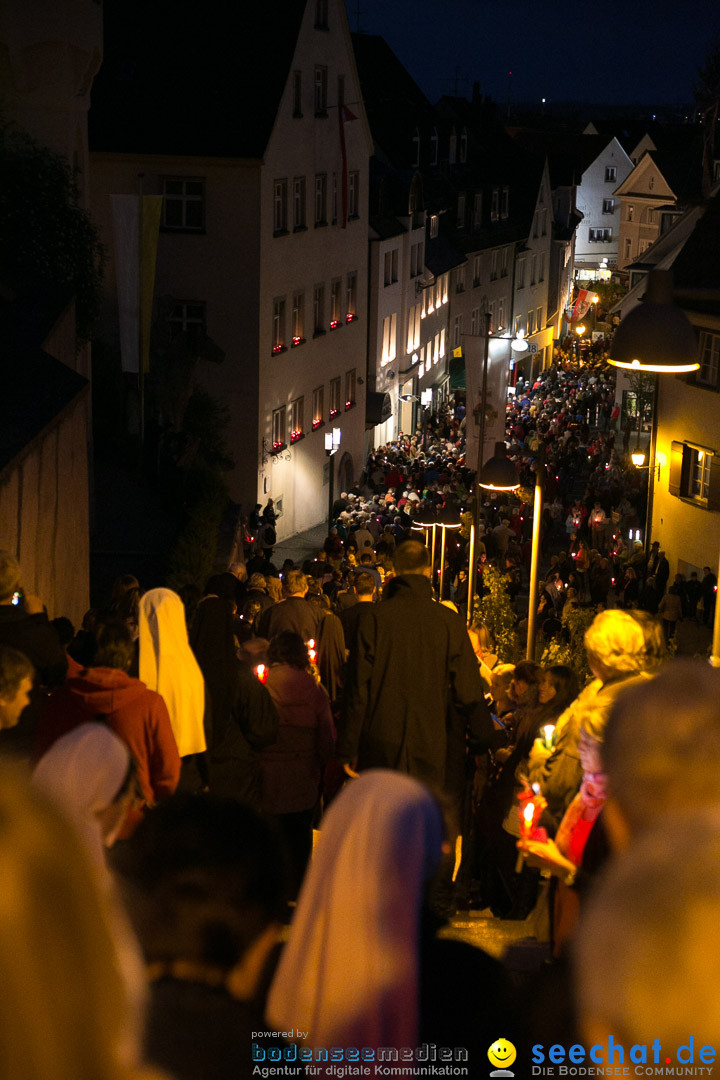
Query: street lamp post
{"x": 332, "y": 445}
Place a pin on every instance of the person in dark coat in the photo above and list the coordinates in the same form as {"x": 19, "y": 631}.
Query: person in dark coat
{"x": 411, "y": 660}
{"x": 24, "y": 626}
{"x": 244, "y": 719}
{"x": 662, "y": 574}
{"x": 293, "y": 613}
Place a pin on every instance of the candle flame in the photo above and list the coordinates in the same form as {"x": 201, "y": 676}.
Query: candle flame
{"x": 529, "y": 812}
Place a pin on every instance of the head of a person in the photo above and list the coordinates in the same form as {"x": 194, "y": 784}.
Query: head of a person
{"x": 238, "y": 571}
{"x": 204, "y": 881}
{"x": 295, "y": 583}
{"x": 288, "y": 648}
{"x": 9, "y": 576}
{"x": 64, "y": 1009}
{"x": 619, "y": 644}
{"x": 125, "y": 596}
{"x": 274, "y": 587}
{"x": 525, "y": 682}
{"x": 366, "y": 558}
{"x": 560, "y": 685}
{"x": 646, "y": 951}
{"x": 359, "y": 910}
{"x": 114, "y": 646}
{"x": 412, "y": 557}
{"x": 661, "y": 748}
{"x": 364, "y": 585}
{"x": 257, "y": 581}
{"x": 64, "y": 629}
{"x": 16, "y": 682}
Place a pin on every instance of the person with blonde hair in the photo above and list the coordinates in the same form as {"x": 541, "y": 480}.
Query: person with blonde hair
{"x": 64, "y": 1008}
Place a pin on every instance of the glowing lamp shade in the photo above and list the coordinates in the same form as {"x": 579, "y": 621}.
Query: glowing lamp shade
{"x": 499, "y": 474}
{"x": 638, "y": 458}
{"x": 519, "y": 344}
{"x": 656, "y": 335}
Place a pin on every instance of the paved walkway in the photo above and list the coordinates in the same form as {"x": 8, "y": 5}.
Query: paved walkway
{"x": 302, "y": 546}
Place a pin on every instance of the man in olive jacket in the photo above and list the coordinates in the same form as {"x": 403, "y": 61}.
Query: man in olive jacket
{"x": 413, "y": 686}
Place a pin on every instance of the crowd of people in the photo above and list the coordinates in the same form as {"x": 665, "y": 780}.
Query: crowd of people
{"x": 188, "y": 752}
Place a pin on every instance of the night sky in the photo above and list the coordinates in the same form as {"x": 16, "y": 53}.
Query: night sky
{"x": 610, "y": 52}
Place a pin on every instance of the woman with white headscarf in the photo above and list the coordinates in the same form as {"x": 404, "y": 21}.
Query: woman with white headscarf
{"x": 362, "y": 967}
{"x": 168, "y": 666}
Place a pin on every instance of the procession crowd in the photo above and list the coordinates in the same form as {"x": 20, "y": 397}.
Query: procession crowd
{"x": 184, "y": 749}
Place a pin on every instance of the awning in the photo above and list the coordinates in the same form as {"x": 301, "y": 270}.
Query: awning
{"x": 378, "y": 408}
{"x": 457, "y": 373}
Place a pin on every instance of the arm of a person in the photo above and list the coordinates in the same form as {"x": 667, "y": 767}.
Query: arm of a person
{"x": 163, "y": 756}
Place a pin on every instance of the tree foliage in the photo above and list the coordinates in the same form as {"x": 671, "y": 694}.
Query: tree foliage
{"x": 48, "y": 240}
{"x": 494, "y": 609}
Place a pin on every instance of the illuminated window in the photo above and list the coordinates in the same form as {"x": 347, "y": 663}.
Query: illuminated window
{"x": 183, "y": 204}
{"x": 501, "y": 314}
{"x": 442, "y": 342}
{"x": 321, "y": 199}
{"x": 318, "y": 418}
{"x": 444, "y": 280}
{"x": 350, "y": 389}
{"x": 321, "y": 85}
{"x": 531, "y": 322}
{"x": 694, "y": 474}
{"x": 186, "y": 315}
{"x": 434, "y": 225}
{"x": 278, "y": 325}
{"x": 299, "y": 202}
{"x": 540, "y": 324}
{"x": 436, "y": 349}
{"x": 298, "y": 318}
{"x": 699, "y": 473}
{"x": 335, "y": 313}
{"x": 413, "y": 335}
{"x": 630, "y": 212}
{"x": 280, "y": 193}
{"x": 334, "y": 398}
{"x": 296, "y": 419}
{"x": 709, "y": 359}
{"x": 351, "y": 297}
{"x": 278, "y": 428}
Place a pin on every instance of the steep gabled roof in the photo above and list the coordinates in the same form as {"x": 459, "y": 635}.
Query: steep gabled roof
{"x": 183, "y": 78}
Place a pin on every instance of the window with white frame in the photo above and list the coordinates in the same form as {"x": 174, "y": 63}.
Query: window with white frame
{"x": 442, "y": 342}
{"x": 610, "y": 174}
{"x": 477, "y": 270}
{"x": 353, "y": 194}
{"x": 318, "y": 416}
{"x": 321, "y": 199}
{"x": 438, "y": 291}
{"x": 183, "y": 204}
{"x": 504, "y": 258}
{"x": 298, "y": 318}
{"x": 699, "y": 474}
{"x": 335, "y": 303}
{"x": 501, "y": 313}
{"x": 434, "y": 225}
{"x": 707, "y": 374}
{"x": 297, "y": 93}
{"x": 694, "y": 474}
{"x": 531, "y": 322}
{"x": 475, "y": 321}
{"x": 319, "y": 309}
{"x": 278, "y": 428}
{"x": 320, "y": 87}
{"x": 416, "y": 149}
{"x": 334, "y": 397}
{"x": 518, "y": 324}
{"x": 391, "y": 266}
{"x": 186, "y": 315}
{"x": 495, "y": 205}
{"x": 608, "y": 206}
{"x": 280, "y": 193}
{"x": 296, "y": 419}
{"x": 601, "y": 236}
{"x": 628, "y": 247}
{"x": 389, "y": 347}
{"x": 413, "y": 334}
{"x": 428, "y": 355}
{"x": 436, "y": 348}
{"x": 350, "y": 389}
{"x": 457, "y": 331}
{"x": 477, "y": 210}
{"x": 460, "y": 279}
{"x": 299, "y": 202}
{"x": 533, "y": 269}
{"x": 278, "y": 324}
{"x": 444, "y": 282}
{"x": 539, "y": 320}
{"x": 541, "y": 271}
{"x": 351, "y": 296}
{"x": 463, "y": 146}
{"x": 461, "y": 211}
{"x": 416, "y": 259}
